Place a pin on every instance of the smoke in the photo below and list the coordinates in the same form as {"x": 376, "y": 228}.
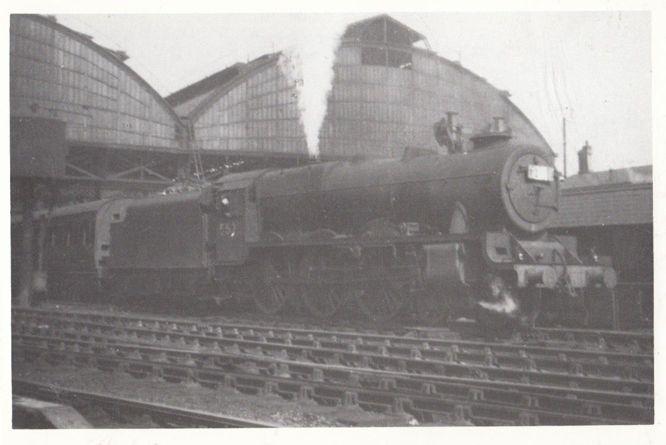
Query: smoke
{"x": 308, "y": 66}
{"x": 505, "y": 304}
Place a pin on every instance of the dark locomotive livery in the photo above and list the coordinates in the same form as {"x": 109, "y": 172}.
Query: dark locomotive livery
{"x": 436, "y": 233}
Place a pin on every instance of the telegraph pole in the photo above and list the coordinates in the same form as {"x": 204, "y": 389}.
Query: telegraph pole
{"x": 564, "y": 145}
{"x": 26, "y": 269}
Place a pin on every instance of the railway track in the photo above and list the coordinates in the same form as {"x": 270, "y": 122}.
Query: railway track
{"x": 160, "y": 414}
{"x": 487, "y": 383}
{"x": 634, "y": 342}
{"x": 371, "y": 349}
{"x": 599, "y": 339}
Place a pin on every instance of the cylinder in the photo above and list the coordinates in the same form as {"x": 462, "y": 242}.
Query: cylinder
{"x": 445, "y": 263}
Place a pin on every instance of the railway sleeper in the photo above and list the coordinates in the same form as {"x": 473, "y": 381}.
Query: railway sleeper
{"x": 249, "y": 385}
{"x": 527, "y": 418}
{"x": 378, "y": 402}
{"x": 139, "y": 370}
{"x": 176, "y": 375}
{"x": 306, "y": 392}
{"x": 402, "y": 405}
{"x": 108, "y": 364}
{"x": 269, "y": 388}
{"x": 280, "y": 370}
{"x": 327, "y": 396}
{"x": 476, "y": 394}
{"x": 429, "y": 389}
{"x": 435, "y": 408}
{"x": 495, "y": 415}
{"x": 350, "y": 398}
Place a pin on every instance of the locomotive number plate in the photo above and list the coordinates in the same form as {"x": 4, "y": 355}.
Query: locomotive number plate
{"x": 540, "y": 173}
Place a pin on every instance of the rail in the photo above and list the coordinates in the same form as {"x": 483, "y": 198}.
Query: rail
{"x": 164, "y": 415}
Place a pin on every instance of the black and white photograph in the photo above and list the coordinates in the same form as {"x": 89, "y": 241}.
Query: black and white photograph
{"x": 336, "y": 219}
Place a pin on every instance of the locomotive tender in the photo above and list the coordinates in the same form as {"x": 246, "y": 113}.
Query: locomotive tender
{"x": 440, "y": 233}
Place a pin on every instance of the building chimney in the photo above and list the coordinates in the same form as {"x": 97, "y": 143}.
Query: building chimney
{"x": 584, "y": 159}
{"x": 452, "y": 119}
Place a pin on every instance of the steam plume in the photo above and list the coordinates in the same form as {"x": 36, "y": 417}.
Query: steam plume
{"x": 505, "y": 304}
{"x": 308, "y": 67}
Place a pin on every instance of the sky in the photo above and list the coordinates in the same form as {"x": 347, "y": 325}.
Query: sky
{"x": 592, "y": 68}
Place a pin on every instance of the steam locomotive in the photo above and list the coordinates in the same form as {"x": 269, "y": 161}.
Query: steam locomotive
{"x": 438, "y": 235}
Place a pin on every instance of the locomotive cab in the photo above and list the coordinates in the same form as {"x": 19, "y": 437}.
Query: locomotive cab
{"x": 231, "y": 217}
{"x": 224, "y": 222}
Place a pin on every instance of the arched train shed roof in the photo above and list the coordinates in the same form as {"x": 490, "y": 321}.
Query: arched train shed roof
{"x": 86, "y": 85}
{"x": 117, "y": 57}
{"x": 374, "y": 109}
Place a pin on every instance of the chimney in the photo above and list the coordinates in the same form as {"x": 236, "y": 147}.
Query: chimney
{"x": 452, "y": 119}
{"x": 584, "y": 159}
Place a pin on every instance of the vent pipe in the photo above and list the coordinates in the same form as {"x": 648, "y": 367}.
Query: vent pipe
{"x": 584, "y": 159}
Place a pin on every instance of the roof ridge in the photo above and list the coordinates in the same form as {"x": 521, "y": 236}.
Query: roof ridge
{"x": 213, "y": 81}
{"x": 196, "y": 88}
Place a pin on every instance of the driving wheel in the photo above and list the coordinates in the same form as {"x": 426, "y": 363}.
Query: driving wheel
{"x": 432, "y": 307}
{"x": 322, "y": 299}
{"x": 272, "y": 287}
{"x": 382, "y": 301}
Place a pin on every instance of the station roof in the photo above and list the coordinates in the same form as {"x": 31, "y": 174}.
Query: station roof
{"x": 203, "y": 86}
{"x": 611, "y": 197}
{"x": 117, "y": 57}
{"x": 189, "y": 101}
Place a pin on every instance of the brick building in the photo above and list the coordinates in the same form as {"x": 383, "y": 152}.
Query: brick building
{"x": 611, "y": 211}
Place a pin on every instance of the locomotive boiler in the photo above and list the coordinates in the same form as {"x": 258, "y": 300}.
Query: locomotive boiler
{"x": 428, "y": 232}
